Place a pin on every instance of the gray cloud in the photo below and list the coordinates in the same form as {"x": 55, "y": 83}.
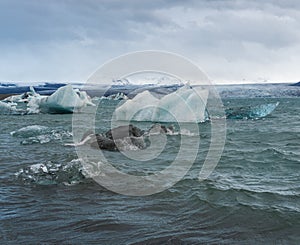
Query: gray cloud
{"x": 231, "y": 40}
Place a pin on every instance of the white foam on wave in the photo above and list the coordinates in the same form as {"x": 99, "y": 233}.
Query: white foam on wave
{"x": 84, "y": 141}
{"x": 170, "y": 132}
{"x": 126, "y": 143}
{"x": 187, "y": 132}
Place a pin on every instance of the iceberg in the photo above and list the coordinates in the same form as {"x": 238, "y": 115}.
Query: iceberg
{"x": 249, "y": 112}
{"x": 9, "y": 109}
{"x": 184, "y": 105}
{"x": 140, "y": 108}
{"x": 64, "y": 100}
{"x": 21, "y": 98}
{"x": 16, "y": 98}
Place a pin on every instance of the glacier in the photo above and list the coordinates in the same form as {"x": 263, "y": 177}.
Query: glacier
{"x": 187, "y": 104}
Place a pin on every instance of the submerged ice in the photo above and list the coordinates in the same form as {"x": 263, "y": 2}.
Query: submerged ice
{"x": 52, "y": 173}
{"x": 184, "y": 105}
{"x": 37, "y": 134}
{"x": 251, "y": 112}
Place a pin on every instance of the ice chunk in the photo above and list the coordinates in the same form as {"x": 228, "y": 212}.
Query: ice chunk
{"x": 50, "y": 173}
{"x": 29, "y": 131}
{"x": 140, "y": 108}
{"x": 22, "y": 97}
{"x": 15, "y": 98}
{"x": 118, "y": 96}
{"x": 9, "y": 108}
{"x": 64, "y": 100}
{"x": 85, "y": 98}
{"x": 39, "y": 167}
{"x": 184, "y": 105}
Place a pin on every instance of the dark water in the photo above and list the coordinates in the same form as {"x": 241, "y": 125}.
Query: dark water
{"x": 252, "y": 197}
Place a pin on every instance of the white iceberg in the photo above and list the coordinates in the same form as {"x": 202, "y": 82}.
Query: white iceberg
{"x": 9, "y": 108}
{"x": 184, "y": 105}
{"x": 140, "y": 108}
{"x": 21, "y": 98}
{"x": 64, "y": 100}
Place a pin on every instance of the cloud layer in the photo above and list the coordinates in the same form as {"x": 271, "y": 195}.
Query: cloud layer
{"x": 231, "y": 41}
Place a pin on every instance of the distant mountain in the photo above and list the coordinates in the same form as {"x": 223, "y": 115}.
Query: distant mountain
{"x": 18, "y": 88}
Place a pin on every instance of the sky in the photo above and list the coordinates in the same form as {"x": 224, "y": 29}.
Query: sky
{"x": 232, "y": 41}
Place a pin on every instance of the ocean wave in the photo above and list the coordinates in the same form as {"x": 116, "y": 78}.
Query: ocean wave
{"x": 273, "y": 153}
{"x": 230, "y": 185}
{"x": 264, "y": 153}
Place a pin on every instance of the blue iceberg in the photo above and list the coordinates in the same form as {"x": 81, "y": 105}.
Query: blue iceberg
{"x": 249, "y": 112}
{"x": 184, "y": 105}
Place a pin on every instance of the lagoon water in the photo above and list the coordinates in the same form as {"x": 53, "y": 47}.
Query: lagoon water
{"x": 252, "y": 197}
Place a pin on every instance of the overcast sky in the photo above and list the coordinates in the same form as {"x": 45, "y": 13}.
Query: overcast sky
{"x": 232, "y": 41}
